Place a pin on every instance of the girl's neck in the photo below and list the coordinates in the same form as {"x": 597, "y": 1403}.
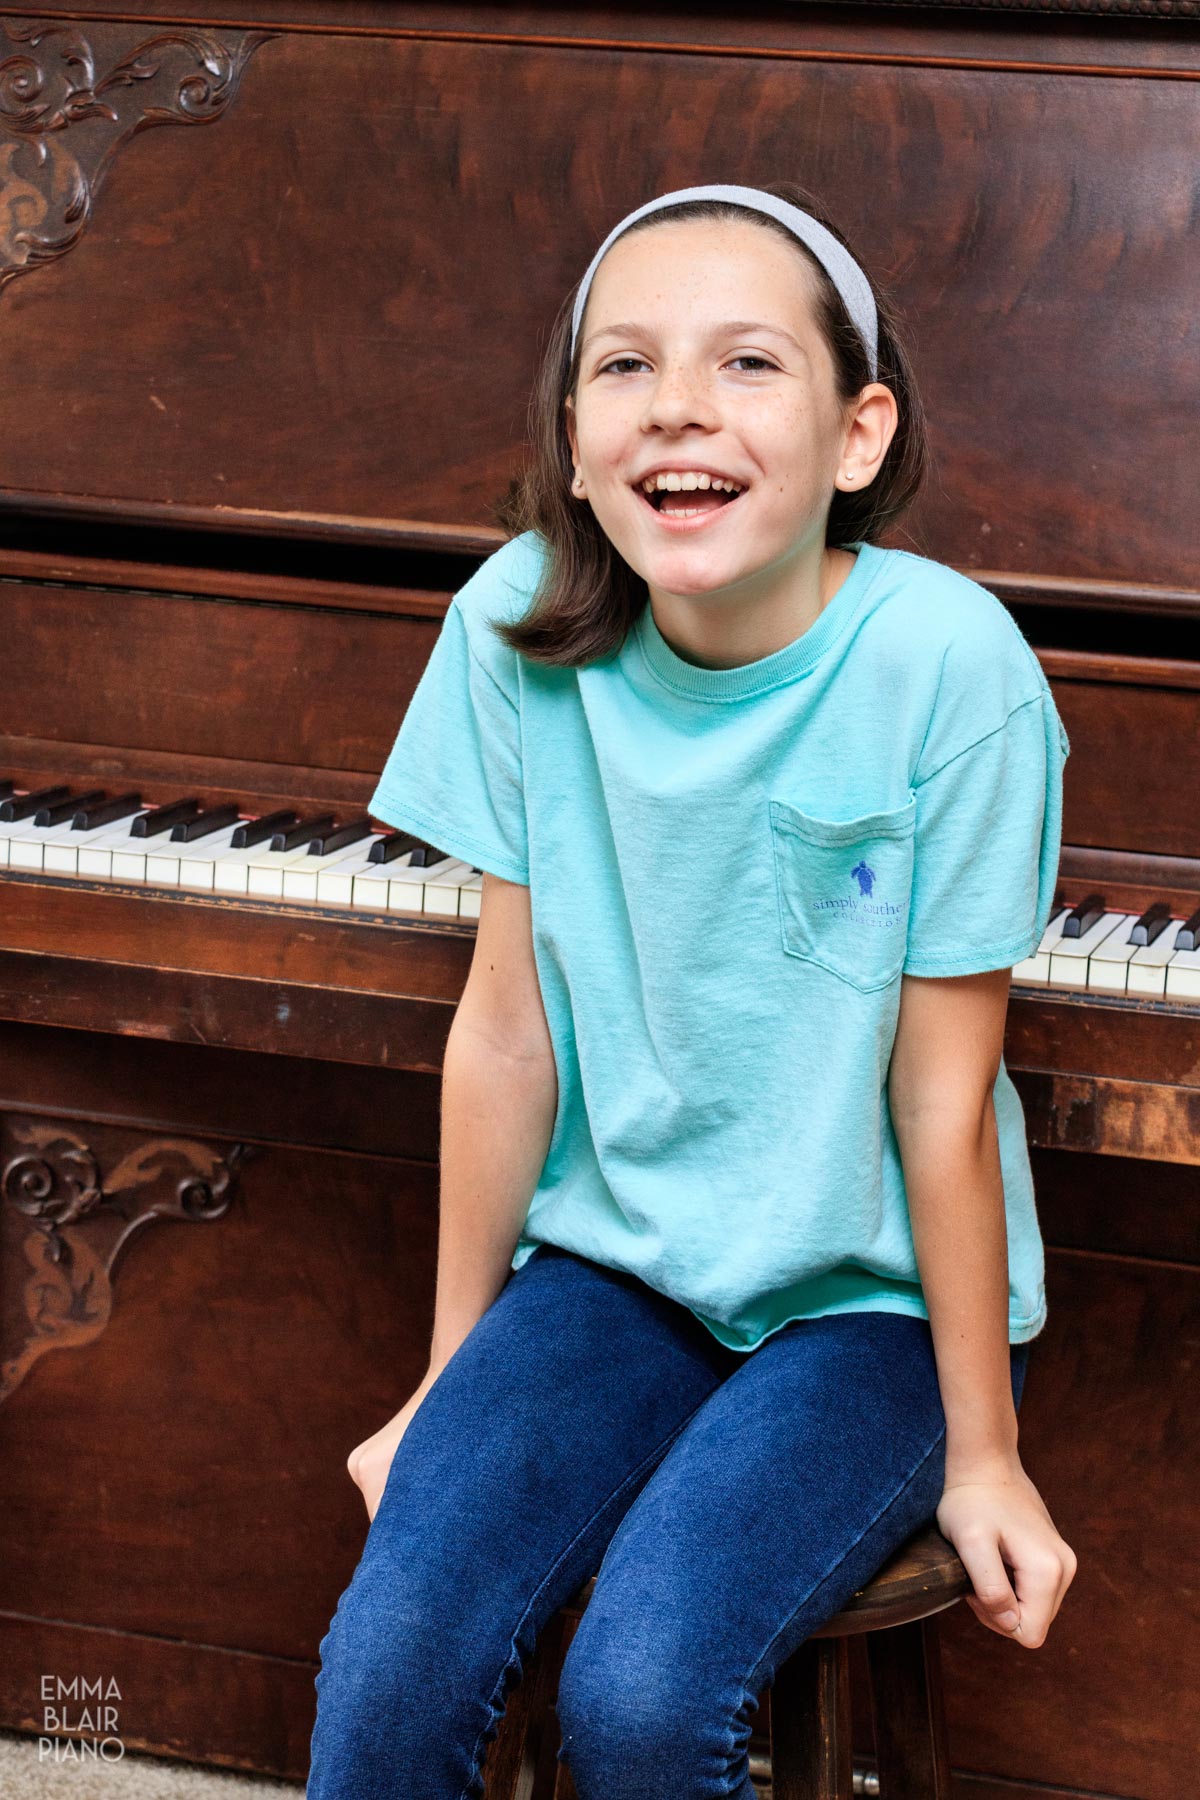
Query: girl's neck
{"x": 727, "y": 633}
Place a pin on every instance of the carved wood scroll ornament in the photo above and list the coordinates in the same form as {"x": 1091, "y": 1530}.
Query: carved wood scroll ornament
{"x": 75, "y": 1226}
{"x": 61, "y": 125}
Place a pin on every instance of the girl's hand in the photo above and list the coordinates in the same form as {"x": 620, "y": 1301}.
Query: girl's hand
{"x": 997, "y": 1516}
{"x": 370, "y": 1462}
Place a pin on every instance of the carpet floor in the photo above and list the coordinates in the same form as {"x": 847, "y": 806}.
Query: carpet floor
{"x": 25, "y": 1775}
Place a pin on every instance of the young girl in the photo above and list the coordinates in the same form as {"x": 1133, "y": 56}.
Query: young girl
{"x": 738, "y": 1257}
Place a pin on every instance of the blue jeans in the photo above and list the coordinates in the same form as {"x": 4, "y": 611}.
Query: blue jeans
{"x": 730, "y": 1503}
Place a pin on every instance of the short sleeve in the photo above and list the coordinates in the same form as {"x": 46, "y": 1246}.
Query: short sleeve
{"x": 986, "y": 847}
{"x": 454, "y": 775}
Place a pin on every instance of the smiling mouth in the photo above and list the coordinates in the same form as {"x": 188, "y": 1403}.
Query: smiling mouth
{"x": 675, "y": 503}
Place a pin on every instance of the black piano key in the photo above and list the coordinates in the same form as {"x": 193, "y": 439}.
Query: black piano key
{"x": 1084, "y": 916}
{"x": 62, "y": 809}
{"x": 107, "y": 813}
{"x": 253, "y": 831}
{"x": 163, "y": 818}
{"x": 395, "y": 843}
{"x": 14, "y": 808}
{"x": 304, "y": 832}
{"x": 427, "y": 856}
{"x": 337, "y": 840}
{"x": 1189, "y": 933}
{"x": 1152, "y": 924}
{"x": 188, "y": 830}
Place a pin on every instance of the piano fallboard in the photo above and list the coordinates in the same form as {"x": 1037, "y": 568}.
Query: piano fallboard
{"x": 372, "y": 989}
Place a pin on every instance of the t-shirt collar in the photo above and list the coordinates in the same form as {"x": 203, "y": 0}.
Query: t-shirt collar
{"x": 769, "y": 671}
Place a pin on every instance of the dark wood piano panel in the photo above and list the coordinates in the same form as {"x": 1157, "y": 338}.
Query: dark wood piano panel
{"x": 367, "y": 336}
{"x": 205, "y": 652}
{"x": 263, "y": 423}
{"x": 209, "y": 1377}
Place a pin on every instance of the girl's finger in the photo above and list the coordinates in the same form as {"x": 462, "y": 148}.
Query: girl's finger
{"x": 997, "y": 1604}
{"x": 985, "y": 1618}
{"x": 1042, "y": 1578}
{"x": 1069, "y": 1565}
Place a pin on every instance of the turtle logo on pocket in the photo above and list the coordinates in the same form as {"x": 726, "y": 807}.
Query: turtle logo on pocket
{"x": 843, "y": 888}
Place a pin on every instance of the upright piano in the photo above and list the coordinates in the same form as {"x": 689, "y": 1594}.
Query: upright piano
{"x": 265, "y": 382}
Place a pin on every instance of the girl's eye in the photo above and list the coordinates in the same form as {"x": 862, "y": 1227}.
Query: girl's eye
{"x": 623, "y": 362}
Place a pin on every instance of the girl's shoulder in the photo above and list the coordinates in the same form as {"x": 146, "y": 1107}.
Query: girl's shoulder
{"x": 967, "y": 666}
{"x": 503, "y": 584}
{"x": 936, "y": 618}
{"x": 499, "y": 592}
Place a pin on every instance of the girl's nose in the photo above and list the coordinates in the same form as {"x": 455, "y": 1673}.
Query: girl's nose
{"x": 679, "y": 399}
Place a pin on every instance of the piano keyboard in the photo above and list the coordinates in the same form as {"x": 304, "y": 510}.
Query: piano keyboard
{"x": 282, "y": 856}
{"x": 1089, "y": 947}
{"x": 275, "y": 856}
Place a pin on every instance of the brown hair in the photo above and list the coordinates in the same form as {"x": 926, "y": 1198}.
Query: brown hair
{"x": 588, "y": 596}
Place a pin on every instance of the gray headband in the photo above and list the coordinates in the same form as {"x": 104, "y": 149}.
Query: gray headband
{"x": 837, "y": 261}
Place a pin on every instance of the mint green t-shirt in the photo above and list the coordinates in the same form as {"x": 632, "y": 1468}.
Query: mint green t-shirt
{"x": 729, "y": 871}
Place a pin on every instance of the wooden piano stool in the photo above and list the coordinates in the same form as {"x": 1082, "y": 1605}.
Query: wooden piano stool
{"x": 809, "y": 1702}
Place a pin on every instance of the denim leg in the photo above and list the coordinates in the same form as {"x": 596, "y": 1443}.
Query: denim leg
{"x": 785, "y": 1493}
{"x": 514, "y": 1472}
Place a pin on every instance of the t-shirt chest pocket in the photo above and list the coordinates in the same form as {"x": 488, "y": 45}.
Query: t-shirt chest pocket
{"x": 844, "y": 887}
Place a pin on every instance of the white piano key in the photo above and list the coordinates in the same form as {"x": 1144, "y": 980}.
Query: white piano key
{"x": 442, "y": 893}
{"x": 95, "y": 860}
{"x": 300, "y": 878}
{"x": 198, "y": 860}
{"x": 1183, "y": 975}
{"x": 24, "y": 828}
{"x": 1069, "y": 957}
{"x": 129, "y": 859}
{"x": 369, "y": 888}
{"x": 469, "y": 897}
{"x": 1148, "y": 965}
{"x": 335, "y": 886}
{"x": 1036, "y": 968}
{"x": 1109, "y": 963}
{"x": 66, "y": 857}
{"x": 10, "y": 828}
{"x": 406, "y": 893}
{"x": 372, "y": 886}
{"x": 27, "y": 842}
{"x": 163, "y": 865}
{"x": 367, "y": 885}
{"x": 265, "y": 869}
{"x": 231, "y": 875}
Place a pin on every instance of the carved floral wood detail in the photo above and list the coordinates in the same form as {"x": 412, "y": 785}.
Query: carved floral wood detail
{"x": 70, "y": 1224}
{"x": 64, "y": 116}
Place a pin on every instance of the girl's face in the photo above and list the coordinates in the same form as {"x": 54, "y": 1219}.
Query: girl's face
{"x": 700, "y": 357}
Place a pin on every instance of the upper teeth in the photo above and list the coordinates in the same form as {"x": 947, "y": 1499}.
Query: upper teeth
{"x": 694, "y": 478}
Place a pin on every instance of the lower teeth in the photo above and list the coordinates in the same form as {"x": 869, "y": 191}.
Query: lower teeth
{"x": 690, "y": 512}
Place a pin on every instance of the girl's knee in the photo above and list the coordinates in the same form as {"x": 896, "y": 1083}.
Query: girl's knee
{"x": 410, "y": 1693}
{"x": 639, "y": 1722}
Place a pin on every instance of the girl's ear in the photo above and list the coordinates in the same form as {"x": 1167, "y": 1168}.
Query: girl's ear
{"x": 577, "y": 487}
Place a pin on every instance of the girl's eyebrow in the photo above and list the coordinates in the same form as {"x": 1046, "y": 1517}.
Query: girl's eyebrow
{"x": 729, "y": 328}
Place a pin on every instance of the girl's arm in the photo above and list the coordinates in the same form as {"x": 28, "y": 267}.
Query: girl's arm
{"x": 499, "y": 1100}
{"x": 946, "y": 1056}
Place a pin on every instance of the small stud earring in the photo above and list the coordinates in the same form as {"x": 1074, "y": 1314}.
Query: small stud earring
{"x": 578, "y": 482}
